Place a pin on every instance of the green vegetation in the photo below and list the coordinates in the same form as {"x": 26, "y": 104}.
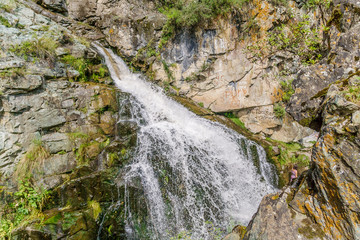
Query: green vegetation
{"x": 22, "y": 207}
{"x": 236, "y": 120}
{"x": 279, "y": 110}
{"x": 4, "y": 22}
{"x": 38, "y": 48}
{"x": 352, "y": 92}
{"x": 95, "y": 208}
{"x": 168, "y": 71}
{"x": 287, "y": 90}
{"x": 295, "y": 37}
{"x": 298, "y": 38}
{"x": 189, "y": 14}
{"x": 318, "y": 3}
{"x": 87, "y": 70}
{"x": 279, "y": 2}
{"x": 33, "y": 159}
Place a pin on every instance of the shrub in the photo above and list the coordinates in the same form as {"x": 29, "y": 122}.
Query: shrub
{"x": 279, "y": 110}
{"x": 288, "y": 91}
{"x": 4, "y": 22}
{"x": 189, "y": 14}
{"x": 33, "y": 160}
{"x": 43, "y": 48}
{"x": 22, "y": 207}
{"x": 87, "y": 70}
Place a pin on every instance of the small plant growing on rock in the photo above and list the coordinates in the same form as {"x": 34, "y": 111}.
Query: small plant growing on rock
{"x": 38, "y": 48}
{"x": 32, "y": 160}
{"x": 288, "y": 91}
{"x": 279, "y": 110}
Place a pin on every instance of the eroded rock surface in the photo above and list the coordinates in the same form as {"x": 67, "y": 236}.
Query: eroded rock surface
{"x": 325, "y": 205}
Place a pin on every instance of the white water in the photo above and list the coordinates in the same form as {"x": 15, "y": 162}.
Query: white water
{"x": 195, "y": 173}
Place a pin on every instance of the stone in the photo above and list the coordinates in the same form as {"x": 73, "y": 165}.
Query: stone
{"x": 107, "y": 122}
{"x": 259, "y": 119}
{"x": 57, "y": 142}
{"x": 11, "y": 64}
{"x": 291, "y": 131}
{"x": 59, "y": 163}
{"x": 49, "y": 118}
{"x": 20, "y": 84}
{"x": 356, "y": 118}
{"x": 232, "y": 236}
{"x": 55, "y": 5}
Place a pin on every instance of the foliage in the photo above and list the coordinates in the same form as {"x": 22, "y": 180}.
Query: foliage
{"x": 25, "y": 204}
{"x": 279, "y": 110}
{"x": 318, "y": 3}
{"x": 298, "y": 38}
{"x": 168, "y": 71}
{"x": 4, "y": 22}
{"x": 279, "y": 2}
{"x": 38, "y": 48}
{"x": 87, "y": 70}
{"x": 295, "y": 37}
{"x": 188, "y": 14}
{"x": 288, "y": 91}
{"x": 236, "y": 120}
{"x": 352, "y": 93}
{"x": 33, "y": 159}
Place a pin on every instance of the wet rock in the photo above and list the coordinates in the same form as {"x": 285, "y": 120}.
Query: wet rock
{"x": 31, "y": 233}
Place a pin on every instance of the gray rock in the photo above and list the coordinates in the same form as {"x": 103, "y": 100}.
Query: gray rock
{"x": 11, "y": 64}
{"x": 59, "y": 163}
{"x": 356, "y": 118}
{"x": 57, "y": 142}
{"x": 55, "y": 5}
{"x": 21, "y": 84}
{"x": 48, "y": 118}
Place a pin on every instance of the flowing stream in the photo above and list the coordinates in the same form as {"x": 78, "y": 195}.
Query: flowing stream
{"x": 198, "y": 176}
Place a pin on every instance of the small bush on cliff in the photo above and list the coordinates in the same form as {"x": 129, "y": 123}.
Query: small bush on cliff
{"x": 38, "y": 48}
{"x": 279, "y": 110}
{"x": 288, "y": 91}
{"x": 24, "y": 206}
{"x": 33, "y": 159}
{"x": 87, "y": 70}
{"x": 189, "y": 14}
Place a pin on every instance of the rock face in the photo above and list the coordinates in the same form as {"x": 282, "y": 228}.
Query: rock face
{"x": 209, "y": 65}
{"x": 59, "y": 141}
{"x": 325, "y": 205}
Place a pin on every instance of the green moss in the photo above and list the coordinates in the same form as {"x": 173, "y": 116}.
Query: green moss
{"x": 95, "y": 208}
{"x": 306, "y": 121}
{"x": 236, "y": 120}
{"x": 256, "y": 159}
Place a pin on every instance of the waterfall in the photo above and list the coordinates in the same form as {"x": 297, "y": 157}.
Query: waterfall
{"x": 197, "y": 175}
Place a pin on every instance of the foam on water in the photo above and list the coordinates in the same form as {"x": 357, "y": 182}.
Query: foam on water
{"x": 193, "y": 171}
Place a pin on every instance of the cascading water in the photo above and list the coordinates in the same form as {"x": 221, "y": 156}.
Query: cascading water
{"x": 197, "y": 175}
